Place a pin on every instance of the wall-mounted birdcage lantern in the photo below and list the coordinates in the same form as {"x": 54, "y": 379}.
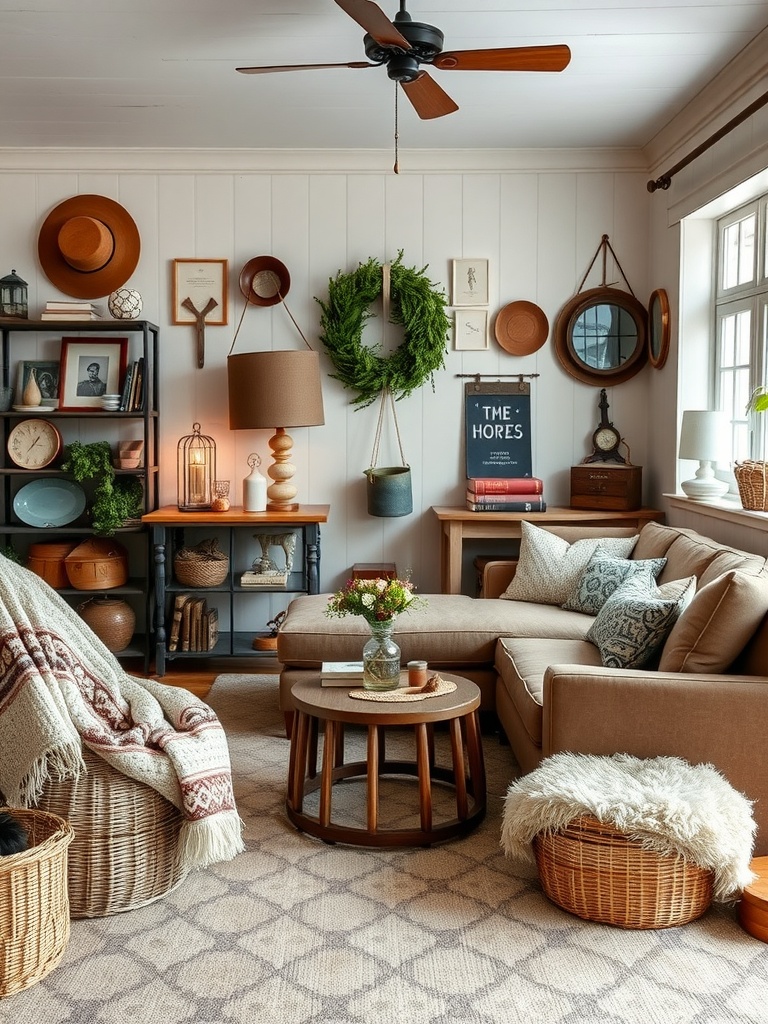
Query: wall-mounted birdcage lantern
{"x": 13, "y": 296}
{"x": 196, "y": 458}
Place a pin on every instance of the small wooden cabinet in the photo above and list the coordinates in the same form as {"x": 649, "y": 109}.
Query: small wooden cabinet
{"x": 239, "y": 618}
{"x": 599, "y": 485}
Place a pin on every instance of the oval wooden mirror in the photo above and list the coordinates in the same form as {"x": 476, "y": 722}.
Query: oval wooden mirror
{"x": 600, "y": 336}
{"x": 658, "y": 328}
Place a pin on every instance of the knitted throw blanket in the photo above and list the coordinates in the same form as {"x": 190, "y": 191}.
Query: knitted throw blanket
{"x": 61, "y": 688}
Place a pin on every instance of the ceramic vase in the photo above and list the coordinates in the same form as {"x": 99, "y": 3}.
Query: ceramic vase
{"x": 32, "y": 394}
{"x": 125, "y": 304}
{"x": 111, "y": 619}
{"x": 381, "y": 658}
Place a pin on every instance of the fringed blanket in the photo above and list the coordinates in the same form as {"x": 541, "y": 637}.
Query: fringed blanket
{"x": 61, "y": 688}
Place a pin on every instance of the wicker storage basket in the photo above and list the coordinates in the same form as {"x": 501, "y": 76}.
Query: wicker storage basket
{"x": 47, "y": 560}
{"x": 598, "y": 873}
{"x": 204, "y": 565}
{"x": 125, "y": 851}
{"x": 97, "y": 564}
{"x": 752, "y": 480}
{"x": 34, "y": 909}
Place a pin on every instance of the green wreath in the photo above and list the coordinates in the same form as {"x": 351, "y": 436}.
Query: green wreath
{"x": 414, "y": 303}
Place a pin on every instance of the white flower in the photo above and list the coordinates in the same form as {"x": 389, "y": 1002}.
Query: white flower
{"x": 368, "y": 600}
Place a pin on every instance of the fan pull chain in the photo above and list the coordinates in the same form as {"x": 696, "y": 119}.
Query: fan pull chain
{"x": 396, "y": 168}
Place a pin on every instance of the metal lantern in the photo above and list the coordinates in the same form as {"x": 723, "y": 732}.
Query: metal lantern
{"x": 13, "y": 296}
{"x": 196, "y": 458}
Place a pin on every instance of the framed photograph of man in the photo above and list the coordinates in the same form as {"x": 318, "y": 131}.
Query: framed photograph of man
{"x": 90, "y": 369}
{"x": 46, "y": 374}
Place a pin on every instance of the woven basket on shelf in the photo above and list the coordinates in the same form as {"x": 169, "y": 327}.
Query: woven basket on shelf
{"x": 125, "y": 851}
{"x": 592, "y": 870}
{"x": 204, "y": 565}
{"x": 34, "y": 909}
{"x": 752, "y": 480}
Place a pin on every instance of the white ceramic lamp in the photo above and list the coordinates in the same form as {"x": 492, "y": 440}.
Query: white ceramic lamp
{"x": 704, "y": 437}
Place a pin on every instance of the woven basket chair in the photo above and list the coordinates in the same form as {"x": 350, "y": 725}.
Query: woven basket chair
{"x": 34, "y": 909}
{"x": 125, "y": 851}
{"x": 596, "y": 872}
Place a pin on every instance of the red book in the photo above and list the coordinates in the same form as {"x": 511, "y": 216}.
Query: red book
{"x": 505, "y": 485}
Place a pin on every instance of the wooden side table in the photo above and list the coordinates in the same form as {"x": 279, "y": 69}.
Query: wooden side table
{"x": 335, "y": 708}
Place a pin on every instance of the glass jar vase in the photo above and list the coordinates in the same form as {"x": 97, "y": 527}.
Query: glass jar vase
{"x": 381, "y": 658}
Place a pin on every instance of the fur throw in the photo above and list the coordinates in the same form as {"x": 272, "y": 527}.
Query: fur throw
{"x": 665, "y": 803}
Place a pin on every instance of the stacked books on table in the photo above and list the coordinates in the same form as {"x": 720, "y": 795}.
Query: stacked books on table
{"x": 263, "y": 579}
{"x": 505, "y": 494}
{"x": 341, "y": 673}
{"x": 74, "y": 310}
{"x": 195, "y": 626}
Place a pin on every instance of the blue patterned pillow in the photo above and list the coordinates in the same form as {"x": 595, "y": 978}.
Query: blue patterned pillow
{"x": 635, "y": 621}
{"x": 603, "y": 574}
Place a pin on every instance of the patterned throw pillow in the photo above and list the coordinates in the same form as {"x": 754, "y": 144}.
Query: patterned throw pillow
{"x": 548, "y": 566}
{"x": 635, "y": 621}
{"x": 603, "y": 575}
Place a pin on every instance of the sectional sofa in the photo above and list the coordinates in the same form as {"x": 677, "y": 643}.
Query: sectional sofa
{"x": 688, "y": 615}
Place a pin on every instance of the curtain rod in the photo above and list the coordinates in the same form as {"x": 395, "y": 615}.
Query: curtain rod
{"x": 665, "y": 180}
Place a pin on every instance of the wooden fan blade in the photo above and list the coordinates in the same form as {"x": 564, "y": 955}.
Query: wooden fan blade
{"x": 303, "y": 67}
{"x": 511, "y": 58}
{"x": 428, "y": 98}
{"x": 375, "y": 22}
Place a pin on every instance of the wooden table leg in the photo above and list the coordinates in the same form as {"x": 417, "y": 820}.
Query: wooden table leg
{"x": 425, "y": 780}
{"x": 460, "y": 780}
{"x": 311, "y": 766}
{"x": 475, "y": 758}
{"x": 326, "y": 780}
{"x": 298, "y": 760}
{"x": 375, "y": 738}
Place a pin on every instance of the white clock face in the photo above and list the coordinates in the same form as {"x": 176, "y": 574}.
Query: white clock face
{"x": 605, "y": 439}
{"x": 34, "y": 444}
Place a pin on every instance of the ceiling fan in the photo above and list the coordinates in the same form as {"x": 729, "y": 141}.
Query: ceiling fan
{"x": 404, "y": 45}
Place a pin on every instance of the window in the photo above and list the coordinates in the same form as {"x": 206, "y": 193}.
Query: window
{"x": 741, "y": 323}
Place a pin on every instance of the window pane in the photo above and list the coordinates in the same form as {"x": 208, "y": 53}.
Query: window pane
{"x": 740, "y": 441}
{"x": 739, "y": 252}
{"x": 727, "y": 341}
{"x": 747, "y": 251}
{"x": 743, "y": 329}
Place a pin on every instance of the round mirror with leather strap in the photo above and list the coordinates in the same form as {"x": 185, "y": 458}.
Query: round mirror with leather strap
{"x": 600, "y": 336}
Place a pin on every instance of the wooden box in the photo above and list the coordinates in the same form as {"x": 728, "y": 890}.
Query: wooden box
{"x": 601, "y": 485}
{"x": 374, "y": 571}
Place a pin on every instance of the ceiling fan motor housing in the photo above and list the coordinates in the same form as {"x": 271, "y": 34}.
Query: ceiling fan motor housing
{"x": 403, "y": 65}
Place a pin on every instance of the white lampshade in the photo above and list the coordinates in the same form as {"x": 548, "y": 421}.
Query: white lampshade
{"x": 704, "y": 437}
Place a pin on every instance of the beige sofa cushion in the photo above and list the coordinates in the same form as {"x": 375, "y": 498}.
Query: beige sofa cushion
{"x": 521, "y": 664}
{"x": 689, "y": 553}
{"x": 548, "y": 567}
{"x": 716, "y": 626}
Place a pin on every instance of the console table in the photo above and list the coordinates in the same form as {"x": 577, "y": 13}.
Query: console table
{"x": 458, "y": 524}
{"x": 170, "y": 531}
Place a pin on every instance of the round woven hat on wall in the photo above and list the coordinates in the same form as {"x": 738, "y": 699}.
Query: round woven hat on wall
{"x": 264, "y": 281}
{"x": 88, "y": 246}
{"x": 521, "y": 328}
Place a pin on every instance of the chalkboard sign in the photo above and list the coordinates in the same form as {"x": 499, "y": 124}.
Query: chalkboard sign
{"x": 497, "y": 419}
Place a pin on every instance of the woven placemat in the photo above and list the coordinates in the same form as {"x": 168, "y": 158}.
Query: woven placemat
{"x": 395, "y": 696}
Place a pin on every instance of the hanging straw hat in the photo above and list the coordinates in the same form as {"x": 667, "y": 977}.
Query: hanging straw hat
{"x": 88, "y": 246}
{"x": 264, "y": 281}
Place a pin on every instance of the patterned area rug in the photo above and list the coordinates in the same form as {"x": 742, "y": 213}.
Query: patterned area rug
{"x": 297, "y": 932}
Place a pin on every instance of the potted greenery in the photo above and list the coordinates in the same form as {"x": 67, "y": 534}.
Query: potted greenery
{"x": 750, "y": 474}
{"x": 114, "y": 500}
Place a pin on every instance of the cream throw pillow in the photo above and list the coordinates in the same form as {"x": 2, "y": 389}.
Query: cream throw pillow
{"x": 716, "y": 626}
{"x": 548, "y": 567}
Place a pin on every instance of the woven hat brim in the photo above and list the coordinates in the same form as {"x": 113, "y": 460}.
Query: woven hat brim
{"x": 125, "y": 257}
{"x": 264, "y": 281}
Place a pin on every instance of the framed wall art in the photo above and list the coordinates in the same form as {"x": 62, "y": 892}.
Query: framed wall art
{"x": 470, "y": 329}
{"x": 198, "y": 283}
{"x": 469, "y": 285}
{"x": 46, "y": 375}
{"x": 91, "y": 368}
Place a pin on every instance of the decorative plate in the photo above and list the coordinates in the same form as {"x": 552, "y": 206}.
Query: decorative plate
{"x": 264, "y": 281}
{"x": 49, "y": 502}
{"x": 521, "y": 328}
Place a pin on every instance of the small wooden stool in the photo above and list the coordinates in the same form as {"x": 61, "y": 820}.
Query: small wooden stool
{"x": 753, "y": 906}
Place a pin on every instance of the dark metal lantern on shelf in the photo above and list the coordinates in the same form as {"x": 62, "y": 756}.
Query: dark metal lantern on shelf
{"x": 13, "y": 297}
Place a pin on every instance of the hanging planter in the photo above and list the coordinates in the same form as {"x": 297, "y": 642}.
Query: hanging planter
{"x": 415, "y": 303}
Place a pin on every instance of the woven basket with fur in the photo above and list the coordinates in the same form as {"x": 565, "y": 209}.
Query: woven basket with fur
{"x": 752, "y": 479}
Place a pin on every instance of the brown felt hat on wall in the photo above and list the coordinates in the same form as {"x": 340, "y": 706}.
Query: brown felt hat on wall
{"x": 88, "y": 246}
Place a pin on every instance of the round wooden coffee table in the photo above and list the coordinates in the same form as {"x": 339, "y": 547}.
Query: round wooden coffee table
{"x": 334, "y": 707}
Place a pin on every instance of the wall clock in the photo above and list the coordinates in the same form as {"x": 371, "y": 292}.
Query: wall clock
{"x": 606, "y": 438}
{"x": 34, "y": 443}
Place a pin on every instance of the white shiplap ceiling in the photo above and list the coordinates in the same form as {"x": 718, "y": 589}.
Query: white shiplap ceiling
{"x": 161, "y": 73}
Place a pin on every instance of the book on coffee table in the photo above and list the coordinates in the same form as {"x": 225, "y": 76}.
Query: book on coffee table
{"x": 341, "y": 673}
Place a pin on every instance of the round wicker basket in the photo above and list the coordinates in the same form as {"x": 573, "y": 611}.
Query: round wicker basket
{"x": 752, "y": 481}
{"x": 204, "y": 565}
{"x": 34, "y": 908}
{"x": 596, "y": 872}
{"x": 125, "y": 851}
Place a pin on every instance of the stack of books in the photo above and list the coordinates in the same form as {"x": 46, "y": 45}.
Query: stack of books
{"x": 341, "y": 673}
{"x": 505, "y": 494}
{"x": 132, "y": 397}
{"x": 75, "y": 310}
{"x": 195, "y": 626}
{"x": 263, "y": 579}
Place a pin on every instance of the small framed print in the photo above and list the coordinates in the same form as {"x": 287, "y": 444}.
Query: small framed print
{"x": 470, "y": 283}
{"x": 199, "y": 282}
{"x": 470, "y": 329}
{"x": 89, "y": 369}
{"x": 46, "y": 375}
